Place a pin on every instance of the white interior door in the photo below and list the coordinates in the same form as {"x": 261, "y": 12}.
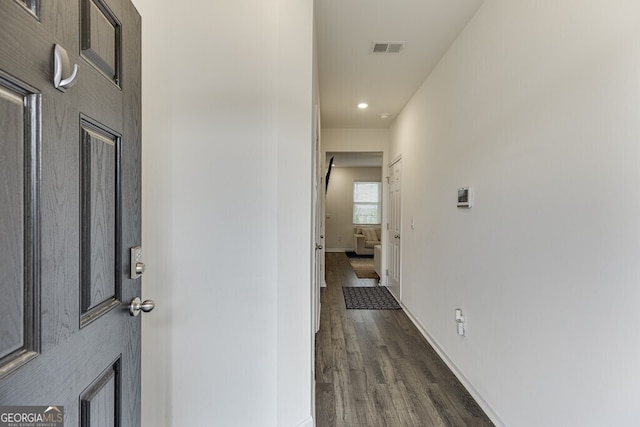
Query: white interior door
{"x": 318, "y": 225}
{"x": 394, "y": 249}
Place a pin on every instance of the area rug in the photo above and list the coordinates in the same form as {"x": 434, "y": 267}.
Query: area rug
{"x": 369, "y": 298}
{"x": 363, "y": 267}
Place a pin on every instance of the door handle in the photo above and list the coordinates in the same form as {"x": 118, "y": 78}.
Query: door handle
{"x": 318, "y": 247}
{"x": 61, "y": 64}
{"x": 136, "y": 305}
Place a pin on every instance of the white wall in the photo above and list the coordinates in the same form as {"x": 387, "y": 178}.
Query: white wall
{"x": 536, "y": 105}
{"x": 339, "y": 204}
{"x": 367, "y": 140}
{"x": 158, "y": 225}
{"x": 227, "y": 108}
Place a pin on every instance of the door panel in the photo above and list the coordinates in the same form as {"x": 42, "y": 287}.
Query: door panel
{"x": 99, "y": 402}
{"x": 19, "y": 136}
{"x": 70, "y": 210}
{"x": 100, "y": 160}
{"x": 32, "y": 6}
{"x": 101, "y": 38}
{"x": 18, "y": 129}
{"x": 12, "y": 228}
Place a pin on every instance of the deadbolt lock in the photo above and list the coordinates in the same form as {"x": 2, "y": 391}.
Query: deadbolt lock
{"x": 137, "y": 266}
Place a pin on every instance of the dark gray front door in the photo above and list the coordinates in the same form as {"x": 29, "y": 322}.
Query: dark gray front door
{"x": 70, "y": 209}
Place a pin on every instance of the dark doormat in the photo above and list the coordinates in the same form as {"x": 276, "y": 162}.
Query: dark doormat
{"x": 369, "y": 298}
{"x": 351, "y": 254}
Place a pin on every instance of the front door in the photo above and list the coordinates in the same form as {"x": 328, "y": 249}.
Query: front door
{"x": 70, "y": 208}
{"x": 395, "y": 227}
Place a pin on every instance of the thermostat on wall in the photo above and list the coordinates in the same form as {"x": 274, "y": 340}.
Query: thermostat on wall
{"x": 465, "y": 197}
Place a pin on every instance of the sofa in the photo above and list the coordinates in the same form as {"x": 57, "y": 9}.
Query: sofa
{"x": 377, "y": 259}
{"x": 365, "y": 238}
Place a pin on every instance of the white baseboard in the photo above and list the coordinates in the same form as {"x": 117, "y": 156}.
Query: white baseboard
{"x": 339, "y": 250}
{"x": 491, "y": 413}
{"x": 307, "y": 423}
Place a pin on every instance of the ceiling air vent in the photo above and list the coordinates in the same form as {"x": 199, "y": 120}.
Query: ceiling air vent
{"x": 387, "y": 47}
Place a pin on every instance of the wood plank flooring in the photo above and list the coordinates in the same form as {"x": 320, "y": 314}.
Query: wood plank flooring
{"x": 374, "y": 368}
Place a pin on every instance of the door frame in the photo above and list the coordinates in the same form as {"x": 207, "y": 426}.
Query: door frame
{"x": 388, "y": 228}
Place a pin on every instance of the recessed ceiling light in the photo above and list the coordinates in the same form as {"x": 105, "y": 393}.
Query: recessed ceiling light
{"x": 384, "y": 116}
{"x": 363, "y": 105}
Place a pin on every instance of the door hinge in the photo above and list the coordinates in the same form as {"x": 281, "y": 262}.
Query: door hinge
{"x": 387, "y": 272}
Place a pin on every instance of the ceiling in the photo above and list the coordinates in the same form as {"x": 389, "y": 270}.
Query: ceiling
{"x": 350, "y": 74}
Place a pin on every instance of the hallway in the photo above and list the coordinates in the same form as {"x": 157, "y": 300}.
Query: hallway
{"x": 374, "y": 368}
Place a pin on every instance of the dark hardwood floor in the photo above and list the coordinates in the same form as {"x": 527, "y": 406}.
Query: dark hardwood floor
{"x": 374, "y": 368}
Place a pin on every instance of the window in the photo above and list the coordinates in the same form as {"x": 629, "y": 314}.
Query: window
{"x": 367, "y": 203}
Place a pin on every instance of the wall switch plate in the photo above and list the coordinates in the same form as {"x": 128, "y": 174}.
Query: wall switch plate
{"x": 460, "y": 322}
{"x": 465, "y": 197}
